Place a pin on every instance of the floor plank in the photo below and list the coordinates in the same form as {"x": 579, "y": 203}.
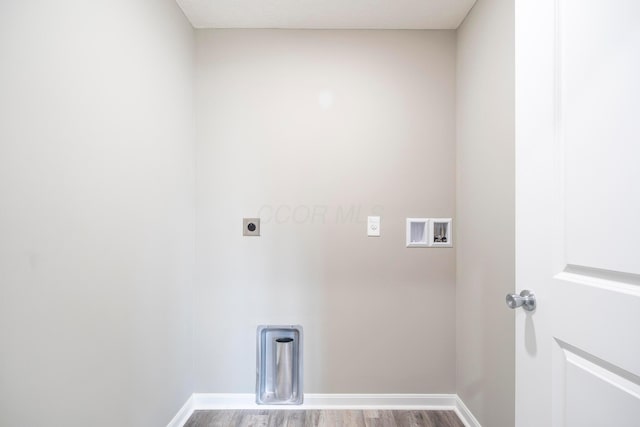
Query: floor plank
{"x": 323, "y": 418}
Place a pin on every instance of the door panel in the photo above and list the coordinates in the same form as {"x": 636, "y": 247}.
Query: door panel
{"x": 578, "y": 212}
{"x": 599, "y": 65}
{"x": 614, "y": 399}
{"x": 598, "y": 316}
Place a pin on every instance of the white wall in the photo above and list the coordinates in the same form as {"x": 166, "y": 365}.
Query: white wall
{"x": 377, "y": 317}
{"x": 485, "y": 253}
{"x": 96, "y": 212}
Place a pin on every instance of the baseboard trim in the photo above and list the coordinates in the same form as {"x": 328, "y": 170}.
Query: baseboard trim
{"x": 183, "y": 414}
{"x": 211, "y": 401}
{"x": 330, "y": 401}
{"x": 465, "y": 414}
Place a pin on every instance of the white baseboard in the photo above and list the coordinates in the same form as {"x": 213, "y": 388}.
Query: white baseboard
{"x": 183, "y": 414}
{"x": 330, "y": 401}
{"x": 211, "y": 401}
{"x": 465, "y": 414}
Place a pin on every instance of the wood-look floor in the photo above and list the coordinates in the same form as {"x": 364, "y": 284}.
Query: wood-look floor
{"x": 323, "y": 418}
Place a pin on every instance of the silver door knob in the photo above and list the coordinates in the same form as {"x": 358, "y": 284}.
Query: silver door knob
{"x": 526, "y": 300}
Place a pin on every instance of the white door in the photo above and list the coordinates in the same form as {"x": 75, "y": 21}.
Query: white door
{"x": 578, "y": 212}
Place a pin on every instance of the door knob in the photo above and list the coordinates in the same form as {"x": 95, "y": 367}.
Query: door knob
{"x": 526, "y": 300}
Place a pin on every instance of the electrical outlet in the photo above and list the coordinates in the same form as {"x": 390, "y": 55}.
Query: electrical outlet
{"x": 373, "y": 226}
{"x": 250, "y": 226}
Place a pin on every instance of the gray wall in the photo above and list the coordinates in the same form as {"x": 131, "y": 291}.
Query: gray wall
{"x": 96, "y": 212}
{"x": 486, "y": 212}
{"x": 377, "y": 317}
{"x": 98, "y": 182}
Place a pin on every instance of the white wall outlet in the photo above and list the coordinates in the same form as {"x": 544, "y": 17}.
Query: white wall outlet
{"x": 250, "y": 226}
{"x": 373, "y": 226}
{"x": 417, "y": 232}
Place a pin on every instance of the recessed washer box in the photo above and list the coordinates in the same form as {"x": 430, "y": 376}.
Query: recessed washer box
{"x": 429, "y": 233}
{"x": 417, "y": 232}
{"x": 440, "y": 233}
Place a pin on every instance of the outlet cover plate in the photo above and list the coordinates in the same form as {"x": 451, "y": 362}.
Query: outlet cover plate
{"x": 373, "y": 226}
{"x": 251, "y": 226}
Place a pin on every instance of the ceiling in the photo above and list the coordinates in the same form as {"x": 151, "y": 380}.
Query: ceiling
{"x": 327, "y": 14}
